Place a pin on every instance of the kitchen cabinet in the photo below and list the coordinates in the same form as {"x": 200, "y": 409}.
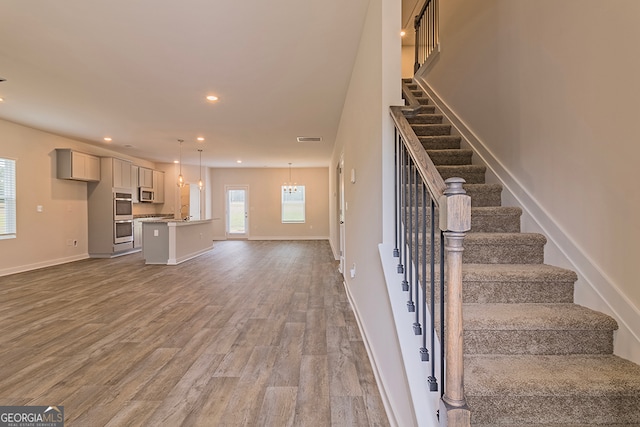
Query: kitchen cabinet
{"x": 137, "y": 233}
{"x": 121, "y": 173}
{"x": 145, "y": 177}
{"x": 158, "y": 186}
{"x": 134, "y": 183}
{"x": 71, "y": 164}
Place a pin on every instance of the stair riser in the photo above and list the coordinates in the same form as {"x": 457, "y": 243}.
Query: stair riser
{"x": 580, "y": 410}
{"x": 483, "y": 196}
{"x": 538, "y": 342}
{"x": 479, "y": 223}
{"x": 425, "y": 119}
{"x": 450, "y": 158}
{"x": 517, "y": 293}
{"x": 440, "y": 142}
{"x": 471, "y": 174}
{"x": 431, "y": 130}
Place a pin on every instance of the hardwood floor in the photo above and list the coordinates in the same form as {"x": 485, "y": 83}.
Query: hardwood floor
{"x": 253, "y": 333}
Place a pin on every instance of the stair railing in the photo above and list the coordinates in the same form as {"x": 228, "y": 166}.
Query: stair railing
{"x": 426, "y": 28}
{"x": 420, "y": 195}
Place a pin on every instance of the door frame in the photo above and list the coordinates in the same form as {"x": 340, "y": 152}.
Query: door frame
{"x": 340, "y": 205}
{"x": 229, "y": 235}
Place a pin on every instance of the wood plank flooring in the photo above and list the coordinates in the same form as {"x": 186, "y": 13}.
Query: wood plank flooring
{"x": 253, "y": 333}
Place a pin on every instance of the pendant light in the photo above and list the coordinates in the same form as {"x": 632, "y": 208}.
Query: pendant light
{"x": 200, "y": 183}
{"x": 290, "y": 187}
{"x": 180, "y": 177}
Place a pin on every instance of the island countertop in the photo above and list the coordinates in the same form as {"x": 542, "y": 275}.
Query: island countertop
{"x": 172, "y": 241}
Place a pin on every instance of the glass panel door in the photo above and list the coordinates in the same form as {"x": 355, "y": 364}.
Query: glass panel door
{"x": 237, "y": 212}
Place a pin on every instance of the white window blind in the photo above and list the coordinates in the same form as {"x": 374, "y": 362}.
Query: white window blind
{"x": 293, "y": 204}
{"x": 7, "y": 198}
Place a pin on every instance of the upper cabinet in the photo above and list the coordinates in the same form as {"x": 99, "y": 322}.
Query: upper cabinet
{"x": 158, "y": 186}
{"x": 78, "y": 166}
{"x": 145, "y": 177}
{"x": 134, "y": 183}
{"x": 121, "y": 173}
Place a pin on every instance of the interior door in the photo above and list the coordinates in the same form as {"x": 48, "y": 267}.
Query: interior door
{"x": 237, "y": 201}
{"x": 341, "y": 208}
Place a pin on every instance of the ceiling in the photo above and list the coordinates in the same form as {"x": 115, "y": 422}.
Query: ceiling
{"x": 139, "y": 71}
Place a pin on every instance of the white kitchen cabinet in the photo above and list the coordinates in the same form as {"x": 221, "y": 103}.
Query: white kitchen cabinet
{"x": 158, "y": 186}
{"x": 121, "y": 173}
{"x": 137, "y": 233}
{"x": 145, "y": 177}
{"x": 76, "y": 165}
{"x": 134, "y": 183}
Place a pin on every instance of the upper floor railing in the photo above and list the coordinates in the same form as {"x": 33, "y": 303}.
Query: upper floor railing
{"x": 426, "y": 28}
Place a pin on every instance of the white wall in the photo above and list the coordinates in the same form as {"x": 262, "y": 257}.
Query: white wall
{"x": 42, "y": 236}
{"x": 265, "y": 220}
{"x": 364, "y": 138}
{"x": 551, "y": 89}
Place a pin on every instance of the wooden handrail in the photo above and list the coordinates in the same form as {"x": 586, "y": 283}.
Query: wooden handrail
{"x": 426, "y": 168}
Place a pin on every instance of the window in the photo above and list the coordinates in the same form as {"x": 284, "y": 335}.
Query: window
{"x": 7, "y": 198}
{"x": 293, "y": 204}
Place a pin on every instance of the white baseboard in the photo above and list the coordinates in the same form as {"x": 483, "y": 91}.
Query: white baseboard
{"x": 289, "y": 238}
{"x": 593, "y": 288}
{"x": 43, "y": 264}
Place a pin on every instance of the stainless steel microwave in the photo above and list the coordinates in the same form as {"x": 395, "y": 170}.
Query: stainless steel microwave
{"x": 146, "y": 194}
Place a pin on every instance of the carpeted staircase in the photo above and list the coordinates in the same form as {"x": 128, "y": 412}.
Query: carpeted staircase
{"x": 532, "y": 356}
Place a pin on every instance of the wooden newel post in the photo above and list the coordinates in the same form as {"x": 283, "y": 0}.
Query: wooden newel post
{"x": 455, "y": 221}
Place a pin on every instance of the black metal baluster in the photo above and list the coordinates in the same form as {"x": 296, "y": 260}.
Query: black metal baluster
{"x": 403, "y": 241}
{"x": 397, "y": 140}
{"x": 432, "y": 381}
{"x": 442, "y": 318}
{"x": 424, "y": 352}
{"x": 417, "y": 328}
{"x": 411, "y": 307}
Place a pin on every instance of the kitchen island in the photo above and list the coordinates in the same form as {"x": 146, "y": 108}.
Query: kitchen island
{"x": 172, "y": 241}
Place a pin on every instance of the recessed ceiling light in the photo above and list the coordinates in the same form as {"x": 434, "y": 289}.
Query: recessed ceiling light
{"x": 1, "y": 99}
{"x": 176, "y": 161}
{"x": 212, "y": 98}
{"x": 106, "y": 138}
{"x": 238, "y": 161}
{"x": 200, "y": 138}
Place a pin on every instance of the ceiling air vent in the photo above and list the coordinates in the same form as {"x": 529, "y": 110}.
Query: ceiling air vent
{"x": 309, "y": 139}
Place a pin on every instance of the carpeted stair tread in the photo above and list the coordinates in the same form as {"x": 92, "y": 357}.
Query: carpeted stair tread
{"x": 536, "y": 329}
{"x": 450, "y": 156}
{"x": 517, "y": 273}
{"x": 472, "y": 174}
{"x": 425, "y": 118}
{"x": 534, "y": 389}
{"x": 535, "y": 317}
{"x": 516, "y": 283}
{"x": 504, "y": 248}
{"x": 440, "y": 142}
{"x": 491, "y": 219}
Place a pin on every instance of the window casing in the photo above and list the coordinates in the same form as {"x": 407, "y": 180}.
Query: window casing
{"x": 7, "y": 198}
{"x": 293, "y": 204}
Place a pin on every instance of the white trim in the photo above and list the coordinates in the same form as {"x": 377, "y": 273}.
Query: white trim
{"x": 44, "y": 264}
{"x": 288, "y": 238}
{"x": 594, "y": 288}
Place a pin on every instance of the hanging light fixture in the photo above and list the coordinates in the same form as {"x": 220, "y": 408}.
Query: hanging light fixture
{"x": 180, "y": 177}
{"x": 290, "y": 187}
{"x": 200, "y": 183}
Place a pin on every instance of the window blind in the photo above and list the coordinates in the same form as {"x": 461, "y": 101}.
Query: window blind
{"x": 7, "y": 197}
